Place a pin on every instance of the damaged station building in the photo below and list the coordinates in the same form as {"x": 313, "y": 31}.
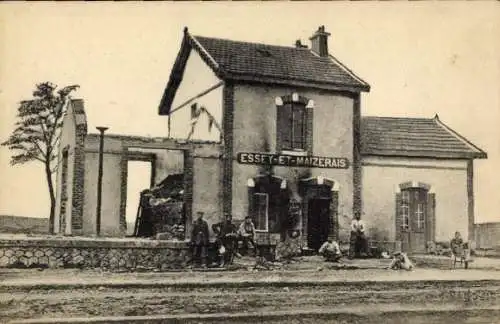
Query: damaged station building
{"x": 276, "y": 133}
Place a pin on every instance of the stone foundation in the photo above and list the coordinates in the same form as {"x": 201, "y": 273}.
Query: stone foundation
{"x": 120, "y": 254}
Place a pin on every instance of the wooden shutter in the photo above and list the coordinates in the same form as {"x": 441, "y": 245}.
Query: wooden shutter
{"x": 398, "y": 216}
{"x": 309, "y": 130}
{"x": 251, "y": 203}
{"x": 284, "y": 127}
{"x": 431, "y": 217}
{"x": 334, "y": 224}
{"x": 298, "y": 133}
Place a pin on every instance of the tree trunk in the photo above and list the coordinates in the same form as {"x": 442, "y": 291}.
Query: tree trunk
{"x": 48, "y": 174}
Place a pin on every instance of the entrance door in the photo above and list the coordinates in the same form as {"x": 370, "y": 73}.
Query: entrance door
{"x": 414, "y": 220}
{"x": 318, "y": 222}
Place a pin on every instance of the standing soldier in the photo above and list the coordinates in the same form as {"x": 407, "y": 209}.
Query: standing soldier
{"x": 358, "y": 242}
{"x": 199, "y": 240}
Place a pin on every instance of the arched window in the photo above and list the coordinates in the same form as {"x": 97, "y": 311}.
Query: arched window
{"x": 268, "y": 203}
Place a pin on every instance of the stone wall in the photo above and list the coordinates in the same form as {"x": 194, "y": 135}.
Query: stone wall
{"x": 122, "y": 254}
{"x": 487, "y": 235}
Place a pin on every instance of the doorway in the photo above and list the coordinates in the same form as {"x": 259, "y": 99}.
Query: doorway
{"x": 414, "y": 220}
{"x": 138, "y": 179}
{"x": 318, "y": 222}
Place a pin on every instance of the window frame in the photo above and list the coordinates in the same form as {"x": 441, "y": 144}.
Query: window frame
{"x": 291, "y": 122}
{"x": 286, "y": 120}
{"x": 420, "y": 215}
{"x": 413, "y": 209}
{"x": 256, "y": 211}
{"x": 405, "y": 215}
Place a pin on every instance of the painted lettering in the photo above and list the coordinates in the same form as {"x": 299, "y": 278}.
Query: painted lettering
{"x": 291, "y": 160}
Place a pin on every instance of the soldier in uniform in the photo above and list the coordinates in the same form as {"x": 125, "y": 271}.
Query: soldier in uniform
{"x": 199, "y": 240}
{"x": 227, "y": 237}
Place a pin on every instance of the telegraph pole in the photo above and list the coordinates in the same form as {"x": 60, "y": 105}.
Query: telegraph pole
{"x": 99, "y": 180}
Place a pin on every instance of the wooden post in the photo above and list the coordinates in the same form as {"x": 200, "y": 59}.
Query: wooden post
{"x": 470, "y": 199}
{"x": 99, "y": 180}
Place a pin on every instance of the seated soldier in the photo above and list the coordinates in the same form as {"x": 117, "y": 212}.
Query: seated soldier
{"x": 459, "y": 250}
{"x": 456, "y": 245}
{"x": 226, "y": 237}
{"x": 330, "y": 250}
{"x": 246, "y": 234}
{"x": 400, "y": 261}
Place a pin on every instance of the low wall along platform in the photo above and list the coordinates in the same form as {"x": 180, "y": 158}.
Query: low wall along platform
{"x": 125, "y": 254}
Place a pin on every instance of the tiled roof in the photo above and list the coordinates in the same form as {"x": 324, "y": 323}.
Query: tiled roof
{"x": 239, "y": 59}
{"x": 414, "y": 137}
{"x": 265, "y": 64}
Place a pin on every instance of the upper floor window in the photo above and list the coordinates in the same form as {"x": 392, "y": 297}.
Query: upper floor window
{"x": 294, "y": 123}
{"x": 293, "y": 134}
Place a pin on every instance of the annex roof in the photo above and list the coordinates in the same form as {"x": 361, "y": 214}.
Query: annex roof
{"x": 414, "y": 137}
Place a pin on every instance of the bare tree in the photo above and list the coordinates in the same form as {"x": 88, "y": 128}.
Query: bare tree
{"x": 38, "y": 131}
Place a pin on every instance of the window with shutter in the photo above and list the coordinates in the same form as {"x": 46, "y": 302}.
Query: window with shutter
{"x": 293, "y": 120}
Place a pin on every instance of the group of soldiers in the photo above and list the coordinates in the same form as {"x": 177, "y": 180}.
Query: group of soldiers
{"x": 228, "y": 237}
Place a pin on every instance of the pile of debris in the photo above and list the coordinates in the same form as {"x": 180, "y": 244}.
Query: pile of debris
{"x": 161, "y": 210}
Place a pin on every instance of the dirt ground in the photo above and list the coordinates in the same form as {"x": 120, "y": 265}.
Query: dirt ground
{"x": 304, "y": 284}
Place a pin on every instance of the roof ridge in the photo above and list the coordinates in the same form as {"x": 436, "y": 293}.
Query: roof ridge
{"x": 253, "y": 43}
{"x": 396, "y": 117}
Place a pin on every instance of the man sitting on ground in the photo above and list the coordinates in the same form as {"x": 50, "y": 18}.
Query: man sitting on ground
{"x": 330, "y": 250}
{"x": 400, "y": 261}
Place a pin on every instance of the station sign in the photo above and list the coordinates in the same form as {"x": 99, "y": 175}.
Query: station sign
{"x": 306, "y": 161}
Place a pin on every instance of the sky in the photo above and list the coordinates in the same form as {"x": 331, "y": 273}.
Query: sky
{"x": 420, "y": 58}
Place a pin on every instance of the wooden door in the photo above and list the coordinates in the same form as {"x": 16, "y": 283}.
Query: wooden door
{"x": 318, "y": 222}
{"x": 412, "y": 220}
{"x": 418, "y": 213}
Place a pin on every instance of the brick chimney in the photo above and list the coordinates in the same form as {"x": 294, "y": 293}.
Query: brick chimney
{"x": 319, "y": 42}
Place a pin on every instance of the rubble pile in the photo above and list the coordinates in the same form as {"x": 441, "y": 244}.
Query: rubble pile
{"x": 162, "y": 210}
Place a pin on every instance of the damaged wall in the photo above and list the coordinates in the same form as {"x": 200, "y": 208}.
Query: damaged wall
{"x": 170, "y": 159}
